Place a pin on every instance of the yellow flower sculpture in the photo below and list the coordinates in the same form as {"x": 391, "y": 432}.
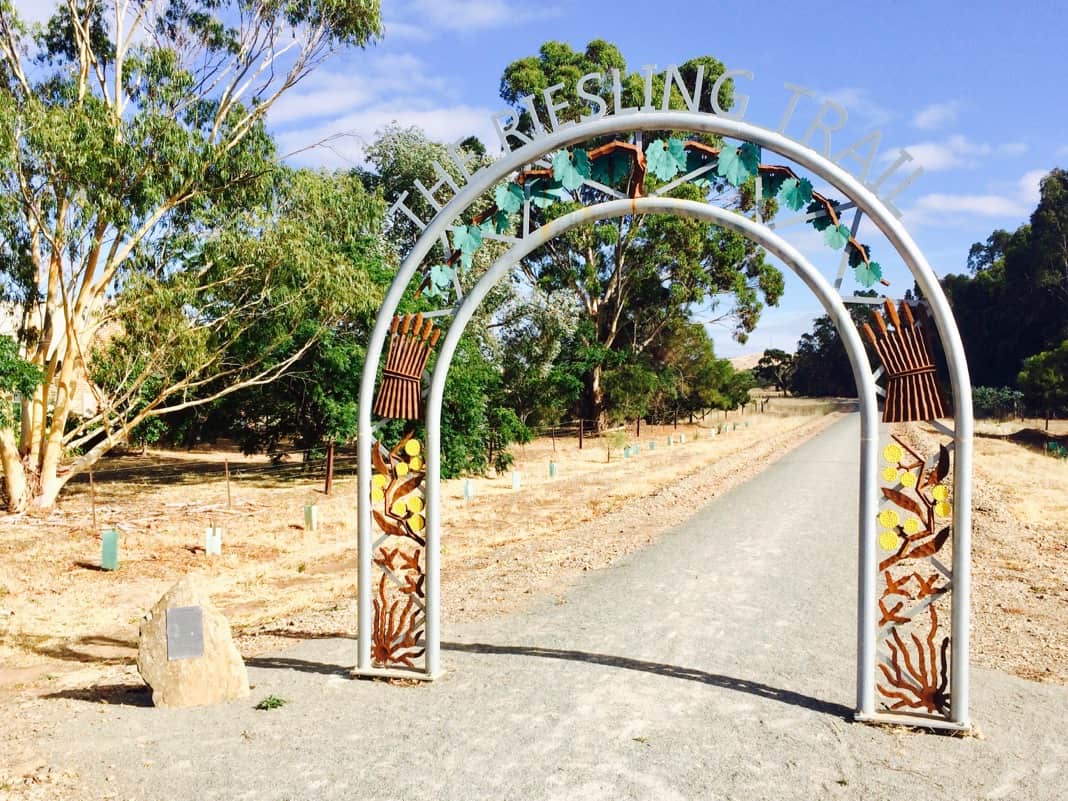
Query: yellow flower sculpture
{"x": 889, "y": 518}
{"x": 893, "y": 453}
{"x": 889, "y": 541}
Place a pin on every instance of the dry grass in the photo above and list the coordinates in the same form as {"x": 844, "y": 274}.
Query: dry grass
{"x": 59, "y": 612}
{"x": 63, "y": 618}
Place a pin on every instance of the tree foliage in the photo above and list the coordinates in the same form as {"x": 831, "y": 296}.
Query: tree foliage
{"x": 634, "y": 277}
{"x": 1044, "y": 380}
{"x": 775, "y": 368}
{"x": 1015, "y": 302}
{"x": 821, "y": 365}
{"x": 133, "y": 161}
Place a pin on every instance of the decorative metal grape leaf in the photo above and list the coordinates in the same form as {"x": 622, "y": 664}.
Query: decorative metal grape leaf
{"x": 738, "y": 164}
{"x": 502, "y": 221}
{"x": 822, "y": 220}
{"x": 509, "y": 197}
{"x": 750, "y": 154}
{"x": 695, "y": 160}
{"x": 858, "y": 257}
{"x": 665, "y": 160}
{"x": 796, "y": 193}
{"x": 571, "y": 169}
{"x": 544, "y": 193}
{"x": 869, "y": 274}
{"x": 836, "y": 236}
{"x": 440, "y": 281}
{"x": 612, "y": 168}
{"x": 771, "y": 184}
{"x": 467, "y": 239}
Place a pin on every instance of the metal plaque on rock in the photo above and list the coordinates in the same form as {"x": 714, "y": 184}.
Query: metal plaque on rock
{"x": 185, "y": 632}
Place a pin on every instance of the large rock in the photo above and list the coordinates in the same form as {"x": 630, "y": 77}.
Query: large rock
{"x": 217, "y": 675}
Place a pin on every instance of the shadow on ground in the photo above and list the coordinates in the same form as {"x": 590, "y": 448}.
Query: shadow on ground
{"x": 111, "y": 694}
{"x": 97, "y": 649}
{"x": 671, "y": 671}
{"x": 299, "y": 665}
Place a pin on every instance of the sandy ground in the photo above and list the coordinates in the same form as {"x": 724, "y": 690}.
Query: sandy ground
{"x": 63, "y": 620}
{"x": 67, "y": 627}
{"x": 715, "y": 664}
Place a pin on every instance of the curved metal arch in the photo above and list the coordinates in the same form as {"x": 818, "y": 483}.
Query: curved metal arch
{"x": 774, "y": 244}
{"x": 864, "y": 198}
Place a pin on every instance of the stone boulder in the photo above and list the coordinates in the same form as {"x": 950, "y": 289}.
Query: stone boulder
{"x": 178, "y": 678}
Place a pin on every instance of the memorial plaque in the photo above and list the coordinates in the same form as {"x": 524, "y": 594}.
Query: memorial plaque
{"x": 185, "y": 632}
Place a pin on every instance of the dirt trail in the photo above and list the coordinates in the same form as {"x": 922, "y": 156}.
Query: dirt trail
{"x": 716, "y": 663}
{"x": 61, "y": 618}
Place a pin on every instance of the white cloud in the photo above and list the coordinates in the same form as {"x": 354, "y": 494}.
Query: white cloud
{"x": 328, "y": 93}
{"x": 328, "y": 119}
{"x": 973, "y": 205}
{"x": 1029, "y": 186}
{"x": 943, "y": 210}
{"x": 339, "y": 143}
{"x": 465, "y": 16}
{"x": 396, "y": 30}
{"x": 861, "y": 106}
{"x": 955, "y": 152}
{"x": 936, "y": 115}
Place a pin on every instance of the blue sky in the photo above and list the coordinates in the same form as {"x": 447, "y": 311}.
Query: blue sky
{"x": 975, "y": 90}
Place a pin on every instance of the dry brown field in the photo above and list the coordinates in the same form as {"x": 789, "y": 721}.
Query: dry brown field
{"x": 67, "y": 626}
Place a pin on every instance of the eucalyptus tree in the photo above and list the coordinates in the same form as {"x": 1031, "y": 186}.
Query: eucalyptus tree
{"x": 134, "y": 130}
{"x": 634, "y": 277}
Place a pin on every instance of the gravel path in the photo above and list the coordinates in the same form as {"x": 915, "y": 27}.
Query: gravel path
{"x": 716, "y": 664}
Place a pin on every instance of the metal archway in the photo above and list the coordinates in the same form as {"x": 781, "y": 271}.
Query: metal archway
{"x": 955, "y": 714}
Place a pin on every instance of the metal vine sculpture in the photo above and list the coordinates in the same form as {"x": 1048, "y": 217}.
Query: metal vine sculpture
{"x": 914, "y": 532}
{"x": 621, "y": 165}
{"x": 399, "y": 605}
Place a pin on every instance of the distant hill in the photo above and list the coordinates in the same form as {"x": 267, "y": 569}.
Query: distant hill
{"x": 745, "y": 362}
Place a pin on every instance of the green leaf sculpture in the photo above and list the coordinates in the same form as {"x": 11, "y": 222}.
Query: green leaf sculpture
{"x": 502, "y": 221}
{"x": 665, "y": 160}
{"x": 440, "y": 281}
{"x": 858, "y": 257}
{"x": 822, "y": 221}
{"x": 796, "y": 193}
{"x": 771, "y": 183}
{"x": 508, "y": 197}
{"x": 869, "y": 274}
{"x": 738, "y": 164}
{"x": 467, "y": 239}
{"x": 836, "y": 236}
{"x": 571, "y": 169}
{"x": 612, "y": 168}
{"x": 544, "y": 193}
